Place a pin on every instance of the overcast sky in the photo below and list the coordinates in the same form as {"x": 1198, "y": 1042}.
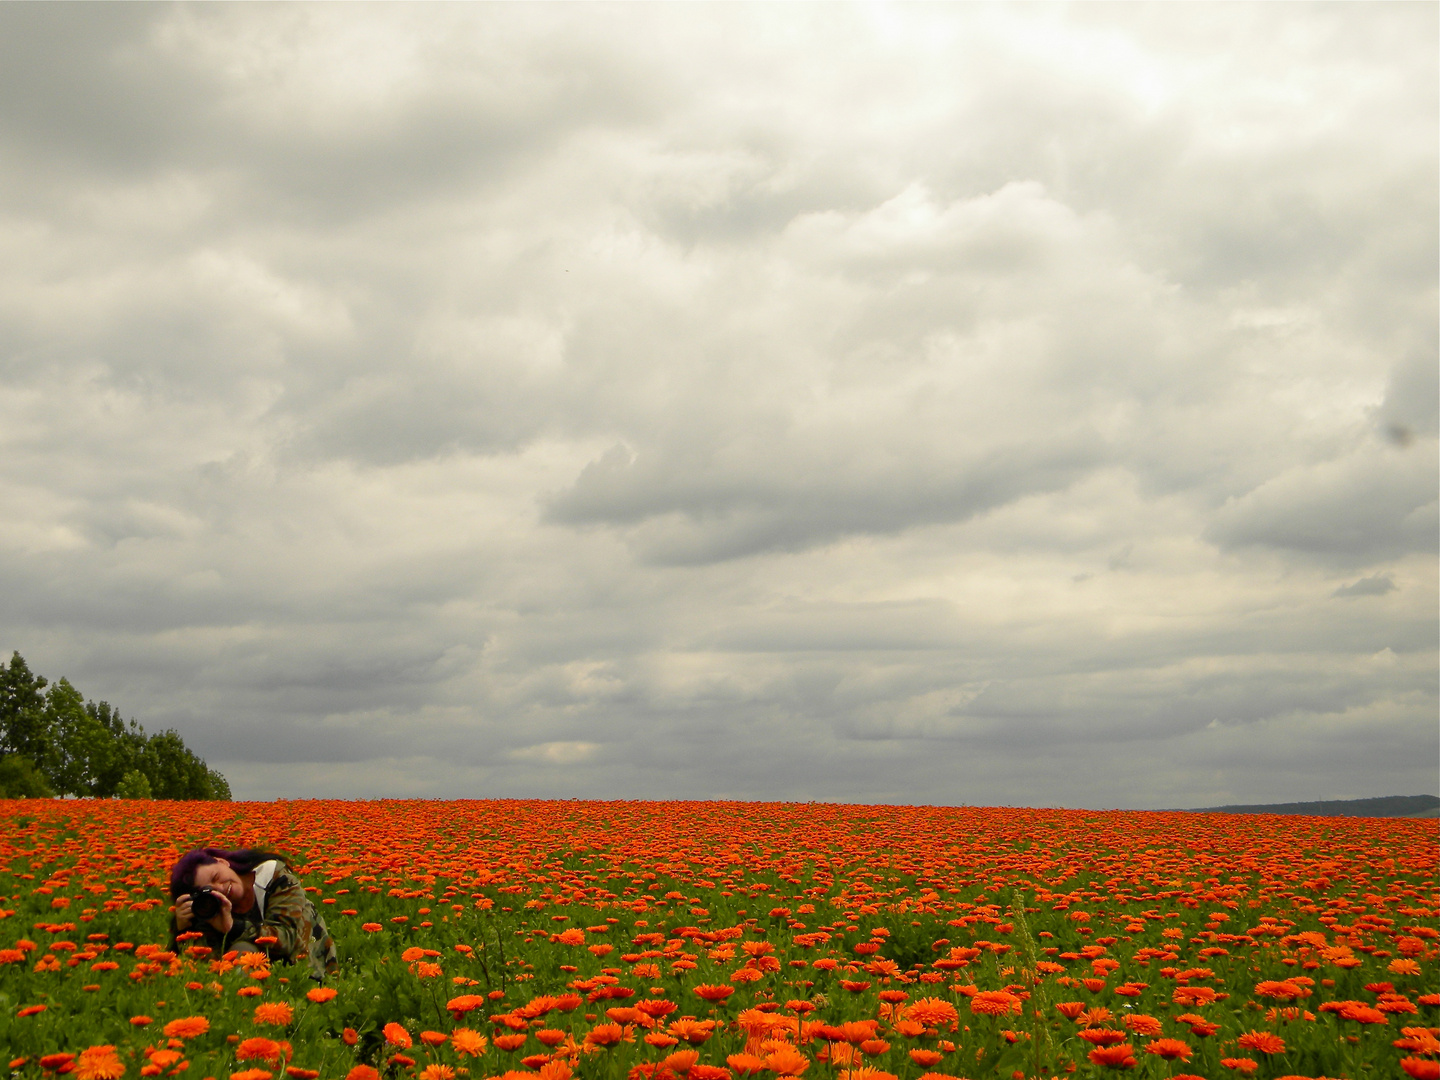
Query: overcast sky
{"x": 979, "y": 404}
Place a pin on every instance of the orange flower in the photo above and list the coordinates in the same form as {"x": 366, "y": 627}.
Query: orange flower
{"x": 713, "y": 993}
{"x": 510, "y": 1042}
{"x": 1244, "y": 1066}
{"x": 1169, "y": 1049}
{"x": 1114, "y": 1057}
{"x": 1280, "y": 991}
{"x": 602, "y": 1035}
{"x": 437, "y": 1072}
{"x": 926, "y": 1058}
{"x": 251, "y": 1074}
{"x": 680, "y": 1061}
{"x": 459, "y": 1006}
{"x": 466, "y": 1041}
{"x": 297, "y": 1073}
{"x": 433, "y": 1038}
{"x": 396, "y": 1035}
{"x": 187, "y": 1027}
{"x": 1420, "y": 1068}
{"x": 857, "y": 1031}
{"x": 1143, "y": 1025}
{"x": 746, "y": 1064}
{"x": 786, "y": 1061}
{"x": 1265, "y": 1042}
{"x": 932, "y": 1012}
{"x": 99, "y": 1063}
{"x": 840, "y": 1054}
{"x": 1102, "y": 1036}
{"x": 257, "y": 1049}
{"x": 1418, "y": 1040}
{"x": 321, "y": 994}
{"x": 276, "y": 1013}
{"x": 996, "y": 1003}
{"x": 362, "y": 1072}
{"x": 692, "y": 1031}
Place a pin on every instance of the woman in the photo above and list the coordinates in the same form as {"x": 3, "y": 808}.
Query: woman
{"x": 258, "y": 898}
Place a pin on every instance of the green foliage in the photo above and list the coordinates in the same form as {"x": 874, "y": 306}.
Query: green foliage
{"x": 174, "y": 771}
{"x": 219, "y": 787}
{"x": 134, "y": 785}
{"x": 23, "y": 729}
{"x": 79, "y": 747}
{"x": 19, "y": 779}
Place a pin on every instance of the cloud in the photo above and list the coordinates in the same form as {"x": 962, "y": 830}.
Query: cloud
{"x": 556, "y": 753}
{"x": 925, "y": 404}
{"x": 686, "y": 516}
{"x": 1374, "y": 585}
{"x": 1366, "y": 506}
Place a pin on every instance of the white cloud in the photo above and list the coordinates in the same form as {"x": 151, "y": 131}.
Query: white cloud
{"x": 556, "y": 753}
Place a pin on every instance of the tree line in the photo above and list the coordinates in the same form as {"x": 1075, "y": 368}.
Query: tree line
{"x": 54, "y": 742}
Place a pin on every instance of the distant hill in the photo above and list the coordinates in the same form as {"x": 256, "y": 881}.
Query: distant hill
{"x": 1412, "y": 806}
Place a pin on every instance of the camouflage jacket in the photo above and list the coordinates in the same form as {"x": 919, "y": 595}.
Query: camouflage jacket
{"x": 282, "y": 911}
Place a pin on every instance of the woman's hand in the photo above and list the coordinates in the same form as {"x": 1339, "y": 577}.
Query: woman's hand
{"x": 223, "y": 921}
{"x": 183, "y": 915}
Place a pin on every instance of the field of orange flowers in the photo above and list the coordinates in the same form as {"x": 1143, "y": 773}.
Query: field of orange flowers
{"x": 704, "y": 941}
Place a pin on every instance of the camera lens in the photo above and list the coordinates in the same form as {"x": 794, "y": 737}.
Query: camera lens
{"x": 204, "y": 904}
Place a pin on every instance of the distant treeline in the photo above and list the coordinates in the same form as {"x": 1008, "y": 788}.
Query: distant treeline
{"x": 1388, "y": 806}
{"x": 54, "y": 742}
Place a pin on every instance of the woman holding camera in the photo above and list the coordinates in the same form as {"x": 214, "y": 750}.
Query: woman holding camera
{"x": 248, "y": 901}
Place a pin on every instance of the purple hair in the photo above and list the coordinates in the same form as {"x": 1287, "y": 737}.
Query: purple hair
{"x": 242, "y": 861}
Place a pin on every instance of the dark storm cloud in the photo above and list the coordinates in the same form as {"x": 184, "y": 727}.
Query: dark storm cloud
{"x": 912, "y": 404}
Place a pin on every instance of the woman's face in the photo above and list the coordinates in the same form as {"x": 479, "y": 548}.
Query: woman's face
{"x": 222, "y": 879}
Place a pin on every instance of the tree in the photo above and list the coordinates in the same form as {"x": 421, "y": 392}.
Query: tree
{"x": 71, "y": 746}
{"x": 127, "y": 746}
{"x": 23, "y": 728}
{"x": 219, "y": 787}
{"x": 134, "y": 785}
{"x": 19, "y": 779}
{"x": 174, "y": 772}
{"x": 81, "y": 749}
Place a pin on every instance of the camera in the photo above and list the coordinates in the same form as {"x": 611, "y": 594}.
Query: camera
{"x": 204, "y": 903}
